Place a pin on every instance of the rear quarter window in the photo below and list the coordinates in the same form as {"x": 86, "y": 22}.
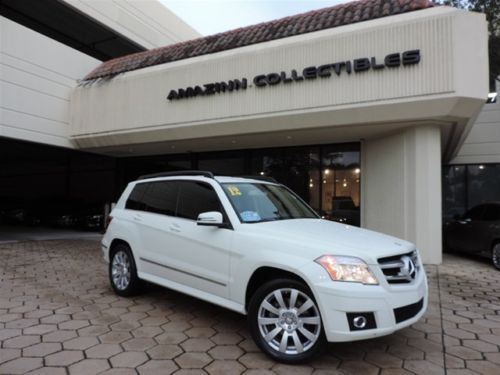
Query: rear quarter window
{"x": 134, "y": 201}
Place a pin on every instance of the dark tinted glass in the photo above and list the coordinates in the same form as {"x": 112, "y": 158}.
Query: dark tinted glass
{"x": 340, "y": 177}
{"x": 228, "y": 165}
{"x": 483, "y": 184}
{"x": 161, "y": 197}
{"x": 195, "y": 198}
{"x": 475, "y": 213}
{"x": 454, "y": 191}
{"x": 492, "y": 212}
{"x": 134, "y": 201}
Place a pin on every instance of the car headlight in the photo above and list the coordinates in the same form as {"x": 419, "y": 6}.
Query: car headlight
{"x": 344, "y": 268}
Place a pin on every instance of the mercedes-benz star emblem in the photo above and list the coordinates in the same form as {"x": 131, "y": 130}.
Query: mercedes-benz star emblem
{"x": 408, "y": 268}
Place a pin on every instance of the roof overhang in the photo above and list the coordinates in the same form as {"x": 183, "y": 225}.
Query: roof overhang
{"x": 131, "y": 115}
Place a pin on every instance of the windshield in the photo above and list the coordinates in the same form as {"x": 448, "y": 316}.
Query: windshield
{"x": 256, "y": 203}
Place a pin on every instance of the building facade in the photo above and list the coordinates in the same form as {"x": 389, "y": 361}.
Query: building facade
{"x": 473, "y": 176}
{"x": 354, "y": 107}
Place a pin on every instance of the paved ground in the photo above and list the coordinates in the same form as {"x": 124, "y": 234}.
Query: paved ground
{"x": 58, "y": 315}
{"x": 17, "y": 233}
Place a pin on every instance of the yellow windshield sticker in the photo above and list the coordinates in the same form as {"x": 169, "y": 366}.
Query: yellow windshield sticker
{"x": 233, "y": 190}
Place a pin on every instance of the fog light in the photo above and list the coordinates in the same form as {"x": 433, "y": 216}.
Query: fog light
{"x": 359, "y": 322}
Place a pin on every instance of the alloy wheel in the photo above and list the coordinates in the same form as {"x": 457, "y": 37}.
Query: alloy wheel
{"x": 120, "y": 270}
{"x": 289, "y": 321}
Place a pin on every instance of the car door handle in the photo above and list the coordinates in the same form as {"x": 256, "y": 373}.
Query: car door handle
{"x": 137, "y": 218}
{"x": 175, "y": 228}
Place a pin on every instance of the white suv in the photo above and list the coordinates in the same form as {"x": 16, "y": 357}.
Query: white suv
{"x": 255, "y": 247}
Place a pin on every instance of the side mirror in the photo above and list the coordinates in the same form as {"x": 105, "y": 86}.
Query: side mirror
{"x": 211, "y": 218}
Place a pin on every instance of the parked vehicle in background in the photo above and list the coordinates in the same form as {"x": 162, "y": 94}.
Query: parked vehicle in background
{"x": 255, "y": 247}
{"x": 345, "y": 211}
{"x": 476, "y": 232}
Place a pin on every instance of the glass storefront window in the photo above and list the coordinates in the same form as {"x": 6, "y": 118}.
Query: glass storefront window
{"x": 296, "y": 167}
{"x": 467, "y": 186}
{"x": 483, "y": 184}
{"x": 453, "y": 191}
{"x": 341, "y": 181}
{"x": 326, "y": 177}
{"x": 330, "y": 183}
{"x": 131, "y": 168}
{"x": 225, "y": 166}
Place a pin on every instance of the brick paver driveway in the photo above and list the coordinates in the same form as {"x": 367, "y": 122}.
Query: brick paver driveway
{"x": 58, "y": 315}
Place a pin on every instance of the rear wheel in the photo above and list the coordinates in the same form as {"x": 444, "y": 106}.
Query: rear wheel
{"x": 123, "y": 272}
{"x": 495, "y": 255}
{"x": 285, "y": 321}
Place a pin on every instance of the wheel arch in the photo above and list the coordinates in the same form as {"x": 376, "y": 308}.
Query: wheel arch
{"x": 118, "y": 241}
{"x": 264, "y": 274}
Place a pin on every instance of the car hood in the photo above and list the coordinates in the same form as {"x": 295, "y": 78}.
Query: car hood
{"x": 316, "y": 237}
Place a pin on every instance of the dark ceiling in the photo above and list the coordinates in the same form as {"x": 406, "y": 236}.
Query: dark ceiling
{"x": 59, "y": 21}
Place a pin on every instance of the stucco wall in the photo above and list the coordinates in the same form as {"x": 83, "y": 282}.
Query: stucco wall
{"x": 37, "y": 75}
{"x": 147, "y": 22}
{"x": 482, "y": 144}
{"x": 402, "y": 188}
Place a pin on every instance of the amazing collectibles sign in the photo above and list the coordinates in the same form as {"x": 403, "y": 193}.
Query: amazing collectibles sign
{"x": 391, "y": 61}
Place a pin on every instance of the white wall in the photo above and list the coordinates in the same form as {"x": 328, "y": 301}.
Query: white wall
{"x": 146, "y": 22}
{"x": 402, "y": 187}
{"x": 37, "y": 75}
{"x": 482, "y": 145}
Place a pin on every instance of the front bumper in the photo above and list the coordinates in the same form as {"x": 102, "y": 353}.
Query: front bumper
{"x": 337, "y": 299}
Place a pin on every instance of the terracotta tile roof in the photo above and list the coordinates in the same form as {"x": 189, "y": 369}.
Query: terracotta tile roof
{"x": 339, "y": 15}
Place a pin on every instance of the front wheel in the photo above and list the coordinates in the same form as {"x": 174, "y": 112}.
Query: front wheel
{"x": 123, "y": 272}
{"x": 495, "y": 255}
{"x": 285, "y": 321}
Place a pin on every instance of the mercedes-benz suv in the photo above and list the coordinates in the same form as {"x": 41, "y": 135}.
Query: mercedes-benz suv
{"x": 255, "y": 247}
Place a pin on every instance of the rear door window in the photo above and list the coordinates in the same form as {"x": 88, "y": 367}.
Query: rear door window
{"x": 196, "y": 197}
{"x": 161, "y": 197}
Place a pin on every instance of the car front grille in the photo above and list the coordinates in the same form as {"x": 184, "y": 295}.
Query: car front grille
{"x": 400, "y": 269}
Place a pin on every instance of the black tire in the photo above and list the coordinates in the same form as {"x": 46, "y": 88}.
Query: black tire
{"x": 121, "y": 254}
{"x": 495, "y": 255}
{"x": 292, "y": 315}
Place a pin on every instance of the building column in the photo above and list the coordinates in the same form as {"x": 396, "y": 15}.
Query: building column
{"x": 401, "y": 186}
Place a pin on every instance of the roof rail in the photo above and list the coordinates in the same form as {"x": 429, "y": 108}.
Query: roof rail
{"x": 261, "y": 178}
{"x": 177, "y": 173}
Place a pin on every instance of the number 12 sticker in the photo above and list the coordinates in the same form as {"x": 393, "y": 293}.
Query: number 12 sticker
{"x": 234, "y": 191}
